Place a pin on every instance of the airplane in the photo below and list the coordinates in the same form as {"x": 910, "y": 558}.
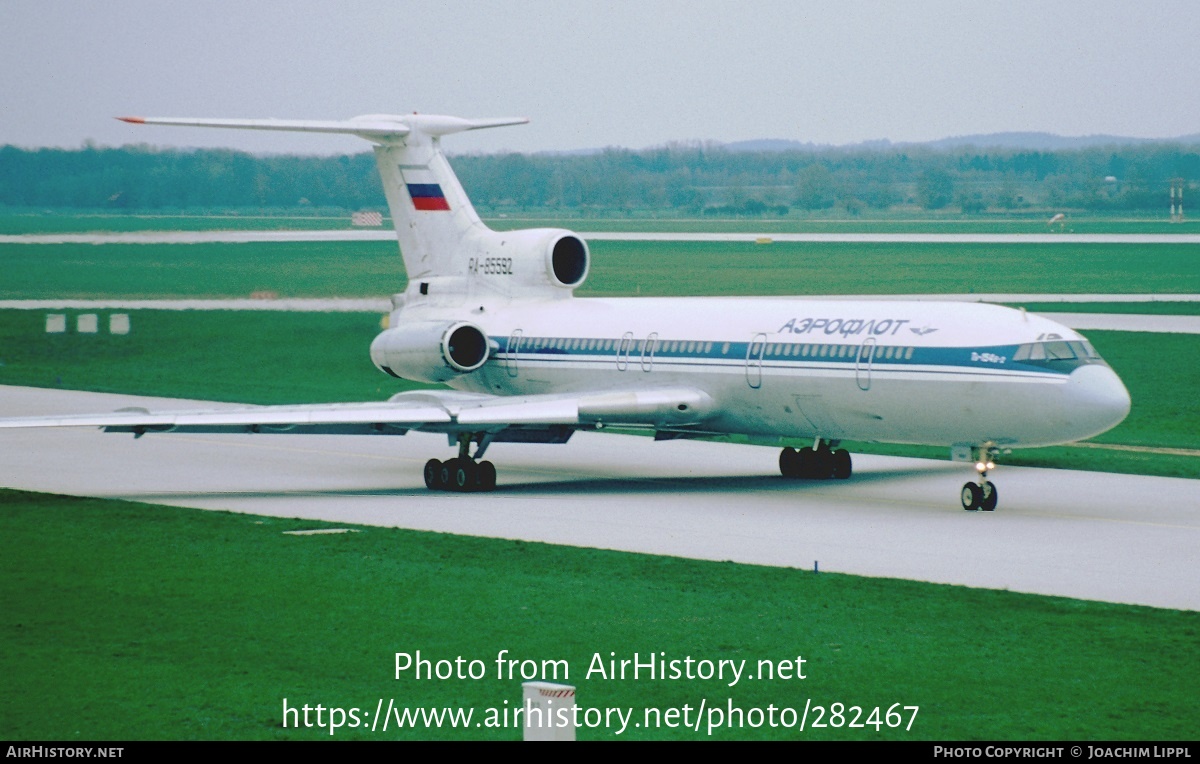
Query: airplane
{"x": 492, "y": 315}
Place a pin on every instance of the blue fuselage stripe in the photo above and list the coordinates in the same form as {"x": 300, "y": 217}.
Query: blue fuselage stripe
{"x": 798, "y": 355}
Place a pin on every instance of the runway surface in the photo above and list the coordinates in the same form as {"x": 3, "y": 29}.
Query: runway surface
{"x": 1098, "y": 536}
{"x": 243, "y": 237}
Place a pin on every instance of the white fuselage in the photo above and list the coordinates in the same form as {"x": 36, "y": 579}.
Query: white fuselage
{"x": 900, "y": 372}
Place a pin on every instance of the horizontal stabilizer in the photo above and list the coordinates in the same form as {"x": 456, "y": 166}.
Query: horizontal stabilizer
{"x": 380, "y": 128}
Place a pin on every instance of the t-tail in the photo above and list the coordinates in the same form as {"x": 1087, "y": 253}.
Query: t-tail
{"x": 450, "y": 256}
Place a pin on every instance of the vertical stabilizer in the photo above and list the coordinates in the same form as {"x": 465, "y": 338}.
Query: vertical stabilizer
{"x": 433, "y": 217}
{"x": 431, "y": 212}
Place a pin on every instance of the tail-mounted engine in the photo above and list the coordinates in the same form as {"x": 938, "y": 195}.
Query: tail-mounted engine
{"x": 525, "y": 263}
{"x": 431, "y": 351}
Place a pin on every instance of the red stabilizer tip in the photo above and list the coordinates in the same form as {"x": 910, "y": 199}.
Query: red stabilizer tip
{"x": 134, "y": 120}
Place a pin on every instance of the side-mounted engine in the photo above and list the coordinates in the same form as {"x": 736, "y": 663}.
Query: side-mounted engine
{"x": 430, "y": 351}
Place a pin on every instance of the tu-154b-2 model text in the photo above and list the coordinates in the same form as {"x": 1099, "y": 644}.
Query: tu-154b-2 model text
{"x": 493, "y": 316}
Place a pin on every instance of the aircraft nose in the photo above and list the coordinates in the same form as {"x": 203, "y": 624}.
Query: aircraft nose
{"x": 1097, "y": 399}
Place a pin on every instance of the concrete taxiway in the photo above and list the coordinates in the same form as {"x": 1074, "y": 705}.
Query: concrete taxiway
{"x": 1098, "y": 536}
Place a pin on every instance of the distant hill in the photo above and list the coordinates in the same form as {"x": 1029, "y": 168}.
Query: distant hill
{"x": 1050, "y": 142}
{"x": 1020, "y": 141}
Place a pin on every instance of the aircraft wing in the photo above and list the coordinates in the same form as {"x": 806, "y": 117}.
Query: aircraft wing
{"x": 430, "y": 410}
{"x": 337, "y": 417}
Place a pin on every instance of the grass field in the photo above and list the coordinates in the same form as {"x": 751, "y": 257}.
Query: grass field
{"x": 293, "y": 269}
{"x": 351, "y": 269}
{"x": 238, "y": 356}
{"x": 128, "y": 621}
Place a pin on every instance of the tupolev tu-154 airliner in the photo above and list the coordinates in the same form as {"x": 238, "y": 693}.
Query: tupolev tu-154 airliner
{"x": 493, "y": 316}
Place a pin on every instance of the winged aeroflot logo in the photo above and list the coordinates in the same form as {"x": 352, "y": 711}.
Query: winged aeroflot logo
{"x": 922, "y": 331}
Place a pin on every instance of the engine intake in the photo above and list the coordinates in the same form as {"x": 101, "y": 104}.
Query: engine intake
{"x": 431, "y": 351}
{"x": 569, "y": 261}
{"x": 465, "y": 347}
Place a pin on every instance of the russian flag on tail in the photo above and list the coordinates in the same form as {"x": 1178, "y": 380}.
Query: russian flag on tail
{"x": 427, "y": 196}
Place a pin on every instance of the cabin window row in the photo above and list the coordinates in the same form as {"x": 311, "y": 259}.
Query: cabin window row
{"x": 792, "y": 350}
{"x": 772, "y": 350}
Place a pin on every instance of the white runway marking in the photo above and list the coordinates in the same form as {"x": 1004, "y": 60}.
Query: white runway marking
{"x": 1117, "y": 538}
{"x": 1129, "y": 322}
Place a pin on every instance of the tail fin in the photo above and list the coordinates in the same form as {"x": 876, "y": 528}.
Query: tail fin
{"x": 430, "y": 210}
{"x": 449, "y": 254}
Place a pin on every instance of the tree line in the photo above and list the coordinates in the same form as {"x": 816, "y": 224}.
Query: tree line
{"x": 693, "y": 179}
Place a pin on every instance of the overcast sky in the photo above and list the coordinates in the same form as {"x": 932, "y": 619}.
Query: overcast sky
{"x": 591, "y": 74}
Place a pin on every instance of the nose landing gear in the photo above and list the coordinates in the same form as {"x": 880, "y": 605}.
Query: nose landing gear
{"x": 981, "y": 495}
{"x": 462, "y": 473}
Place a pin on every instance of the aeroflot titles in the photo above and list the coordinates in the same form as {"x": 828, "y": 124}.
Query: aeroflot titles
{"x": 849, "y": 327}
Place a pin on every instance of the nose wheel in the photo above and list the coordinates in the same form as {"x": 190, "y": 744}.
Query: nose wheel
{"x": 463, "y": 473}
{"x": 981, "y": 496}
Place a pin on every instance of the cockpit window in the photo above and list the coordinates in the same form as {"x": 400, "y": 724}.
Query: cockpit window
{"x": 1059, "y": 351}
{"x": 1057, "y": 354}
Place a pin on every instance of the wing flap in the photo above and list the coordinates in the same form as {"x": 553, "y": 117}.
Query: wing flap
{"x": 531, "y": 410}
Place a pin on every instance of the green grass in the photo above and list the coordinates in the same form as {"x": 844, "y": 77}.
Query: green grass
{"x": 238, "y": 356}
{"x": 292, "y": 269}
{"x": 128, "y": 621}
{"x": 356, "y": 269}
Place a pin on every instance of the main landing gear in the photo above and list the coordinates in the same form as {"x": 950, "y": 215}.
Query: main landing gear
{"x": 981, "y": 495}
{"x": 462, "y": 473}
{"x": 820, "y": 462}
